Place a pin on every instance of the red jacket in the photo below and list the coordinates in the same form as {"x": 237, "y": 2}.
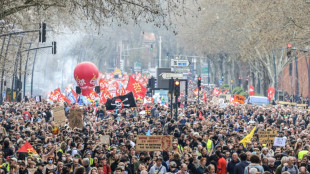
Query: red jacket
{"x": 221, "y": 166}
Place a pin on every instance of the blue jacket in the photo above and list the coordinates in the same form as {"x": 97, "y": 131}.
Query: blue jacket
{"x": 239, "y": 168}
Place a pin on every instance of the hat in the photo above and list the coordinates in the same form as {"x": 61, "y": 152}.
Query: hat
{"x": 122, "y": 144}
{"x": 14, "y": 159}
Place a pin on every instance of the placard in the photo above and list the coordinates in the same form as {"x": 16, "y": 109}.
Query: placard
{"x": 239, "y": 98}
{"x": 75, "y": 118}
{"x": 154, "y": 143}
{"x": 267, "y": 137}
{"x": 105, "y": 139}
{"x": 59, "y": 116}
{"x": 278, "y": 141}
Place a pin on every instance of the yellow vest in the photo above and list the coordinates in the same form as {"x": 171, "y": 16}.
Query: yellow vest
{"x": 209, "y": 145}
{"x": 302, "y": 153}
{"x": 180, "y": 148}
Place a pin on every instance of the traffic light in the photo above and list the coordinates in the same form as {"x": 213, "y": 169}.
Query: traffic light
{"x": 222, "y": 77}
{"x": 151, "y": 48}
{"x": 239, "y": 81}
{"x": 289, "y": 50}
{"x": 42, "y": 32}
{"x": 199, "y": 83}
{"x": 177, "y": 88}
{"x": 247, "y": 81}
{"x": 54, "y": 47}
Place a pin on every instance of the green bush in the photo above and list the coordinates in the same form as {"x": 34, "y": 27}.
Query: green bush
{"x": 237, "y": 90}
{"x": 225, "y": 86}
{"x": 244, "y": 93}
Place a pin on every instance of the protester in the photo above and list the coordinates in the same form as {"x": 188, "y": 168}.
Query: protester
{"x": 209, "y": 144}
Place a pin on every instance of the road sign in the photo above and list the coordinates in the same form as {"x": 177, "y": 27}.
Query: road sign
{"x": 221, "y": 82}
{"x": 204, "y": 70}
{"x": 179, "y": 63}
{"x": 171, "y": 75}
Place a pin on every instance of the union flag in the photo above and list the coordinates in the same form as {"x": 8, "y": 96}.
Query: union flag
{"x": 105, "y": 95}
{"x": 136, "y": 88}
{"x": 204, "y": 97}
{"x": 251, "y": 90}
{"x": 27, "y": 148}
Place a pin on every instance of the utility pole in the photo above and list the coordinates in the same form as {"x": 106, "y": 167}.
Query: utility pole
{"x": 159, "y": 57}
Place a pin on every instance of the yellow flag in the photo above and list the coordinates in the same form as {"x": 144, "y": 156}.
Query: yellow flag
{"x": 248, "y": 138}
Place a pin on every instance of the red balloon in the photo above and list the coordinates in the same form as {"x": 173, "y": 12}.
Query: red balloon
{"x": 86, "y": 75}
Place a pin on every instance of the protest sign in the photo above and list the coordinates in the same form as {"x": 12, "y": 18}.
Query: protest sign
{"x": 278, "y": 141}
{"x": 154, "y": 143}
{"x": 59, "y": 115}
{"x": 239, "y": 98}
{"x": 105, "y": 139}
{"x": 75, "y": 118}
{"x": 267, "y": 137}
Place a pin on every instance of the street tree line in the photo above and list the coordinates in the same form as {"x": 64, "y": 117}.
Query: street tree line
{"x": 254, "y": 34}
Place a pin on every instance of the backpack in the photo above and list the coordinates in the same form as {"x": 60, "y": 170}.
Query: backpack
{"x": 249, "y": 168}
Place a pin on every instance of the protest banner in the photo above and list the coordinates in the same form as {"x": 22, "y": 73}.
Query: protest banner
{"x": 59, "y": 115}
{"x": 278, "y": 141}
{"x": 267, "y": 137}
{"x": 154, "y": 143}
{"x": 239, "y": 98}
{"x": 105, "y": 139}
{"x": 75, "y": 118}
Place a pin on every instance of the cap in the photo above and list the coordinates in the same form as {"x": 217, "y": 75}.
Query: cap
{"x": 122, "y": 144}
{"x": 14, "y": 159}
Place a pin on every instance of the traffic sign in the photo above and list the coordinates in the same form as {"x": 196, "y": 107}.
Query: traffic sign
{"x": 221, "y": 82}
{"x": 171, "y": 75}
{"x": 179, "y": 63}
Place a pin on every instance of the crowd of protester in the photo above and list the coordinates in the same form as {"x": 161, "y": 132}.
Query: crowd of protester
{"x": 200, "y": 145}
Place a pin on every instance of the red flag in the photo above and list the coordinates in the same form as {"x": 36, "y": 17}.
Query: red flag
{"x": 27, "y": 148}
{"x": 103, "y": 84}
{"x": 200, "y": 116}
{"x": 92, "y": 95}
{"x": 196, "y": 92}
{"x": 122, "y": 91}
{"x": 270, "y": 93}
{"x": 251, "y": 90}
{"x": 225, "y": 91}
{"x": 55, "y": 94}
{"x": 217, "y": 91}
{"x": 63, "y": 98}
{"x": 136, "y": 88}
{"x": 204, "y": 97}
{"x": 104, "y": 96}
